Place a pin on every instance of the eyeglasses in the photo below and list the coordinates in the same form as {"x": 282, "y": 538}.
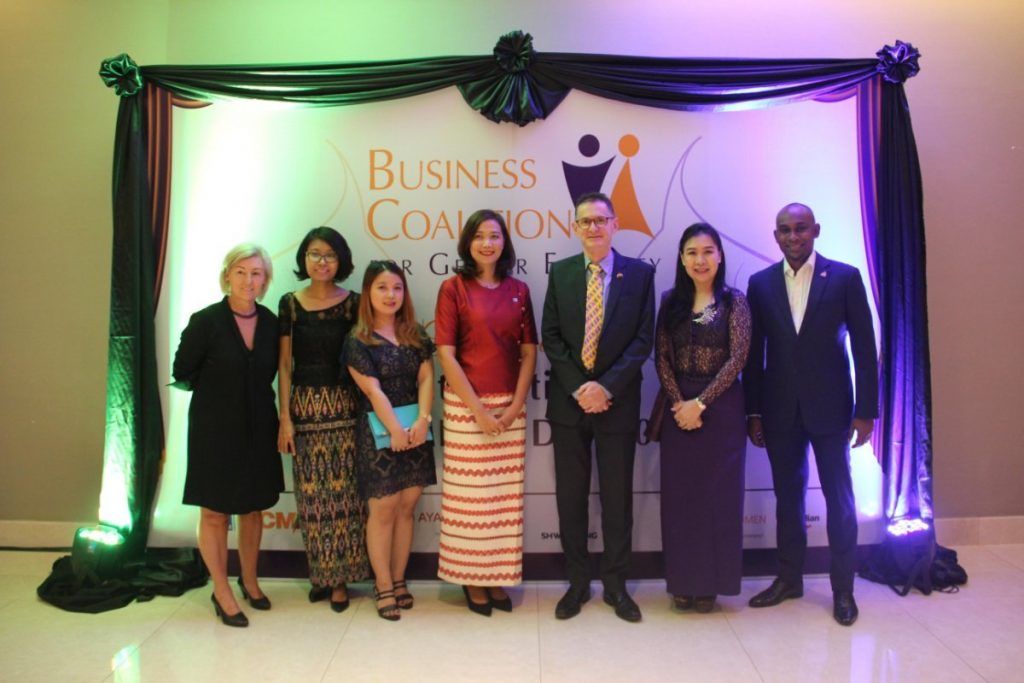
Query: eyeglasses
{"x": 596, "y": 221}
{"x": 322, "y": 258}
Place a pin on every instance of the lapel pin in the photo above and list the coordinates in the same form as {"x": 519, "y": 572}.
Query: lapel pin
{"x": 618, "y": 275}
{"x": 824, "y": 273}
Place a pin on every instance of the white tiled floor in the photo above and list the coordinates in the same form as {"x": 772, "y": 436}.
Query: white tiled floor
{"x": 974, "y": 635}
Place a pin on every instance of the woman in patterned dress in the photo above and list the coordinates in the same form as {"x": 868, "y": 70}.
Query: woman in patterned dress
{"x": 487, "y": 345}
{"x": 390, "y": 358}
{"x": 318, "y": 406}
{"x": 701, "y": 344}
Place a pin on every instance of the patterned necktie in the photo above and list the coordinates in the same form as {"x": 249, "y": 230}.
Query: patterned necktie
{"x": 595, "y": 315}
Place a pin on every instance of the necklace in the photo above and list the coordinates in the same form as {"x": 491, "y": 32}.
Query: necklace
{"x": 245, "y": 316}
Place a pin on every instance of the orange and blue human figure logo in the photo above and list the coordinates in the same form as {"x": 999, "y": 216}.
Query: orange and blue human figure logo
{"x": 582, "y": 179}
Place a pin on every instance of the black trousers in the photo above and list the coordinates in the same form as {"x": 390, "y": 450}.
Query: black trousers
{"x": 787, "y": 453}
{"x": 615, "y": 451}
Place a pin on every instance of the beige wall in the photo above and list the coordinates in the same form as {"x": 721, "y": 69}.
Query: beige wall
{"x": 56, "y": 142}
{"x": 56, "y": 145}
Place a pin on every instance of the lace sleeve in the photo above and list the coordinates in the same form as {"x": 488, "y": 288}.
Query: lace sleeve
{"x": 357, "y": 357}
{"x": 739, "y": 346}
{"x": 663, "y": 355}
{"x": 284, "y": 316}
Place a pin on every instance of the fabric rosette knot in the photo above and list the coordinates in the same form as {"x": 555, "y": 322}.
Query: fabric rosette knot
{"x": 898, "y": 62}
{"x": 514, "y": 52}
{"x": 517, "y": 88}
{"x": 122, "y": 74}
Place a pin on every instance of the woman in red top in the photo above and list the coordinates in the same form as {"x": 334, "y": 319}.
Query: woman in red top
{"x": 487, "y": 345}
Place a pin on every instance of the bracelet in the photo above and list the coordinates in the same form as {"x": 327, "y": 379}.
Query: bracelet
{"x": 700, "y": 403}
{"x": 429, "y": 418}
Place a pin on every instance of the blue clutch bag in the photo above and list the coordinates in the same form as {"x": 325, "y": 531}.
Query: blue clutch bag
{"x": 406, "y": 416}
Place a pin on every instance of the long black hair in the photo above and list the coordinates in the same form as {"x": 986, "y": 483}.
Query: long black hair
{"x": 680, "y": 301}
{"x": 506, "y": 261}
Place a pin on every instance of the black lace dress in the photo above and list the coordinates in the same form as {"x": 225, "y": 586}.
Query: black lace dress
{"x": 384, "y": 472}
{"x": 324, "y": 407}
{"x": 702, "y": 469}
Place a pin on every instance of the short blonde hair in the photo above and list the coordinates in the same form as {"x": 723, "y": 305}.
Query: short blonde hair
{"x": 240, "y": 253}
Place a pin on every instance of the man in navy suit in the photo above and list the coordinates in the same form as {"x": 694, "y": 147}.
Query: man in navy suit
{"x": 798, "y": 392}
{"x": 594, "y": 397}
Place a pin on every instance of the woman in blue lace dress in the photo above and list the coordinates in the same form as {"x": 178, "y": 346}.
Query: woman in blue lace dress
{"x": 390, "y": 358}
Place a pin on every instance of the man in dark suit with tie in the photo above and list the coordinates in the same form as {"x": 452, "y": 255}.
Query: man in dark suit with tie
{"x": 597, "y": 331}
{"x": 798, "y": 392}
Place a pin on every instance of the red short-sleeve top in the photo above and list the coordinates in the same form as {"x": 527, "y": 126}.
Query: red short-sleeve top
{"x": 486, "y": 327}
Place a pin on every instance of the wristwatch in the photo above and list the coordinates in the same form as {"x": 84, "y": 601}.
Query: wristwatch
{"x": 700, "y": 403}
{"x": 429, "y": 418}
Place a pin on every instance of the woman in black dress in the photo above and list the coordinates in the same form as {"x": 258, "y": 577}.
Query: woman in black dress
{"x": 228, "y": 358}
{"x": 701, "y": 344}
{"x": 318, "y": 405}
{"x": 389, "y": 356}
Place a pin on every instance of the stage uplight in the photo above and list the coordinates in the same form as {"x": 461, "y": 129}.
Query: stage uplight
{"x": 902, "y": 528}
{"x": 97, "y": 550}
{"x": 906, "y": 555}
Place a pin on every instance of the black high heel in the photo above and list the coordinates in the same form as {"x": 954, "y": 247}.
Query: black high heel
{"x": 256, "y": 603}
{"x": 704, "y": 603}
{"x": 683, "y": 602}
{"x": 483, "y": 609}
{"x": 340, "y": 605}
{"x": 504, "y": 604}
{"x": 238, "y": 619}
{"x": 318, "y": 593}
{"x": 404, "y": 600}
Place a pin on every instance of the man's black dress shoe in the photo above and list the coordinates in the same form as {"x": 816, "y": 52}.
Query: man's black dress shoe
{"x": 844, "y": 609}
{"x": 570, "y": 604}
{"x": 624, "y": 606}
{"x": 776, "y": 593}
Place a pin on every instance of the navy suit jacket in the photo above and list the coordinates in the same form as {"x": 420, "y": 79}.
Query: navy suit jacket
{"x": 809, "y": 373}
{"x": 627, "y": 336}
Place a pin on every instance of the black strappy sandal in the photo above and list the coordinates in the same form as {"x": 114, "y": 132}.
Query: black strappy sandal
{"x": 403, "y": 600}
{"x": 389, "y": 612}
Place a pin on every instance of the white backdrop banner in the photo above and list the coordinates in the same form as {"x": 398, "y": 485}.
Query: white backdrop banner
{"x": 398, "y": 179}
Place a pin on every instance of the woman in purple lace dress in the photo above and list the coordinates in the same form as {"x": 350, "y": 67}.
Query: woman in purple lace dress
{"x": 703, "y": 335}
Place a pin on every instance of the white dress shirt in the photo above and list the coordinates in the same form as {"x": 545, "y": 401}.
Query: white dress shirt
{"x": 798, "y": 287}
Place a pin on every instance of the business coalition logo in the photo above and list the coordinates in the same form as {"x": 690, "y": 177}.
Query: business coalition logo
{"x": 580, "y": 179}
